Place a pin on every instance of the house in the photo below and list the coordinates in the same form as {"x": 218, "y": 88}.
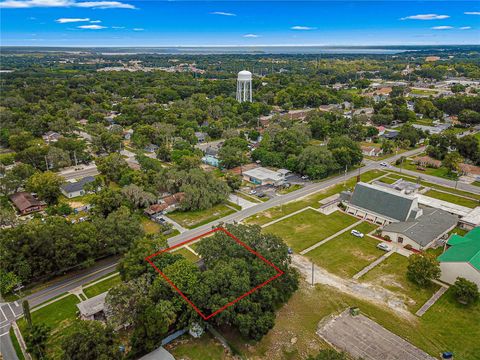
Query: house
{"x": 264, "y": 176}
{"x": 422, "y": 232}
{"x": 462, "y": 258}
{"x": 390, "y": 135}
{"x": 211, "y": 160}
{"x": 93, "y": 308}
{"x": 26, "y": 203}
{"x": 166, "y": 204}
{"x": 427, "y": 161}
{"x": 371, "y": 151}
{"x": 51, "y": 137}
{"x": 470, "y": 170}
{"x": 201, "y": 136}
{"x": 127, "y": 134}
{"x": 74, "y": 189}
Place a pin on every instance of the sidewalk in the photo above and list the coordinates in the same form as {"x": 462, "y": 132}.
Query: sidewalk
{"x": 372, "y": 265}
{"x": 431, "y": 301}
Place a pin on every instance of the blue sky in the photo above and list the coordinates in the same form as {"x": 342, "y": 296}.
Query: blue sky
{"x": 169, "y": 23}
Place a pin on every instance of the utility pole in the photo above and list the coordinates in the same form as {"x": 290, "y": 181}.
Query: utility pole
{"x": 313, "y": 273}
{"x": 75, "y": 157}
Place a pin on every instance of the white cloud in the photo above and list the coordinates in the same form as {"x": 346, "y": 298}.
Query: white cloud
{"x": 426, "y": 17}
{"x": 222, "y": 13}
{"x": 92, "y": 27}
{"x": 71, "y": 20}
{"x": 118, "y": 27}
{"x": 22, "y": 4}
{"x": 251, "y": 36}
{"x": 442, "y": 27}
{"x": 95, "y": 21}
{"x": 138, "y": 29}
{"x": 298, "y": 27}
{"x": 465, "y": 28}
{"x": 472, "y": 12}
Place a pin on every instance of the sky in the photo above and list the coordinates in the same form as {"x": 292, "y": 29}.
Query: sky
{"x": 237, "y": 23}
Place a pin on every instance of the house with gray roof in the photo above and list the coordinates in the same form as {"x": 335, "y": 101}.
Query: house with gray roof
{"x": 422, "y": 232}
{"x": 382, "y": 205}
{"x": 76, "y": 188}
{"x": 93, "y": 308}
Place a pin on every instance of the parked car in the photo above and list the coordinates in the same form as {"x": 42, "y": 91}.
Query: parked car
{"x": 304, "y": 177}
{"x": 384, "y": 247}
{"x": 253, "y": 192}
{"x": 290, "y": 251}
{"x": 384, "y": 164}
{"x": 357, "y": 233}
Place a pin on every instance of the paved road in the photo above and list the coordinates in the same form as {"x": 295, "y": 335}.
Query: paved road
{"x": 11, "y": 311}
{"x": 90, "y": 170}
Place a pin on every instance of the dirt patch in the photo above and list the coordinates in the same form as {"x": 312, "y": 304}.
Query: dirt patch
{"x": 364, "y": 291}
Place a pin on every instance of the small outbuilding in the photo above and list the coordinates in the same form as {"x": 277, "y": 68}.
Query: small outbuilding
{"x": 93, "y": 308}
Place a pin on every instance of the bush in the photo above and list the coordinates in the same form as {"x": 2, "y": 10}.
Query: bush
{"x": 465, "y": 291}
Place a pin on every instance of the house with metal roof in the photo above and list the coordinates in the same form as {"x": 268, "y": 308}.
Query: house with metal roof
{"x": 76, "y": 188}
{"x": 382, "y": 205}
{"x": 264, "y": 176}
{"x": 93, "y": 308}
{"x": 422, "y": 232}
{"x": 462, "y": 258}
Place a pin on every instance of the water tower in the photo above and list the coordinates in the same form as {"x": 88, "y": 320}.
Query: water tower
{"x": 244, "y": 86}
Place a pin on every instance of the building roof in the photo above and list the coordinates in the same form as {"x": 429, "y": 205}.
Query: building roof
{"x": 464, "y": 249}
{"x": 71, "y": 187}
{"x": 383, "y": 201}
{"x": 93, "y": 305}
{"x": 24, "y": 200}
{"x": 427, "y": 227}
{"x": 262, "y": 173}
{"x": 158, "y": 354}
{"x": 174, "y": 199}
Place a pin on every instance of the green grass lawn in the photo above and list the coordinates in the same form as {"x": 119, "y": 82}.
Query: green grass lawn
{"x": 458, "y": 231}
{"x": 16, "y": 344}
{"x": 476, "y": 183}
{"x": 149, "y": 226}
{"x": 452, "y": 198}
{"x": 312, "y": 200}
{"x": 187, "y": 254}
{"x": 392, "y": 275}
{"x": 387, "y": 180}
{"x": 290, "y": 189}
{"x": 346, "y": 254}
{"x": 204, "y": 348}
{"x": 441, "y": 172}
{"x": 192, "y": 219}
{"x": 309, "y": 227}
{"x": 59, "y": 316}
{"x": 247, "y": 197}
{"x": 102, "y": 286}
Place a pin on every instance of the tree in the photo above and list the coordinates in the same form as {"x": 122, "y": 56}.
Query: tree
{"x": 233, "y": 181}
{"x": 465, "y": 291}
{"x": 7, "y": 216}
{"x": 467, "y": 146}
{"x": 422, "y": 268}
{"x": 317, "y": 162}
{"x": 231, "y": 156}
{"x": 408, "y": 132}
{"x": 36, "y": 340}
{"x": 137, "y": 196}
{"x": 8, "y": 281}
{"x": 90, "y": 340}
{"x": 107, "y": 201}
{"x": 469, "y": 117}
{"x": 113, "y": 166}
{"x": 26, "y": 313}
{"x": 452, "y": 161}
{"x": 46, "y": 185}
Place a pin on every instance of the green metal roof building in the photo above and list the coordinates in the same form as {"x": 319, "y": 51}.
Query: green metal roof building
{"x": 462, "y": 258}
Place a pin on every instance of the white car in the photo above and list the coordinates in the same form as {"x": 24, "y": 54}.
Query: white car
{"x": 253, "y": 192}
{"x": 384, "y": 164}
{"x": 384, "y": 247}
{"x": 357, "y": 233}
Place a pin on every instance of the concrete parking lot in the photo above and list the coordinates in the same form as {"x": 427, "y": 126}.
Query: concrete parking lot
{"x": 364, "y": 338}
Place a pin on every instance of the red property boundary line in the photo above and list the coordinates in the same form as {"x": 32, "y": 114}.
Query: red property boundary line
{"x": 206, "y": 317}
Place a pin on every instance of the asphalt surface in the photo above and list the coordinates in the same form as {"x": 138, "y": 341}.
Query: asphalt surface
{"x": 11, "y": 311}
{"x": 76, "y": 174}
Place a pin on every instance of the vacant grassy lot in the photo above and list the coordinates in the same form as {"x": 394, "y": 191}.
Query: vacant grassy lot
{"x": 445, "y": 327}
{"x": 387, "y": 180}
{"x": 102, "y": 286}
{"x": 192, "y": 219}
{"x": 149, "y": 226}
{"x": 187, "y": 254}
{"x": 205, "y": 348}
{"x": 346, "y": 254}
{"x": 392, "y": 275}
{"x": 309, "y": 227}
{"x": 59, "y": 316}
{"x": 454, "y": 199}
{"x": 439, "y": 172}
{"x": 312, "y": 200}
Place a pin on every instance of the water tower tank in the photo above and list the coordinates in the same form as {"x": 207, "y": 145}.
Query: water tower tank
{"x": 244, "y": 75}
{"x": 244, "y": 86}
